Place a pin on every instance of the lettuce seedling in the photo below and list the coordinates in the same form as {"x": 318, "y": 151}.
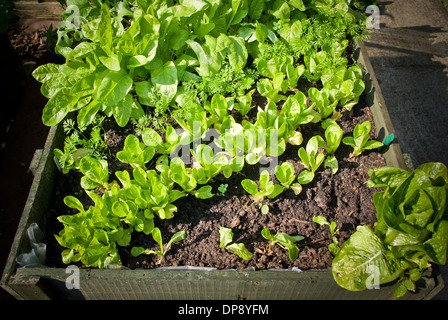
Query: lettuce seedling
{"x": 96, "y": 173}
{"x": 322, "y": 102}
{"x": 157, "y": 236}
{"x": 244, "y": 104}
{"x": 267, "y": 187}
{"x": 270, "y": 88}
{"x": 205, "y": 167}
{"x": 333, "y": 137}
{"x": 225, "y": 241}
{"x": 310, "y": 159}
{"x": 285, "y": 174}
{"x": 195, "y": 123}
{"x": 285, "y": 240}
{"x": 135, "y": 153}
{"x": 217, "y": 107}
{"x": 152, "y": 139}
{"x": 296, "y": 112}
{"x": 273, "y": 126}
{"x": 333, "y": 247}
{"x": 360, "y": 140}
{"x": 91, "y": 236}
{"x": 186, "y": 179}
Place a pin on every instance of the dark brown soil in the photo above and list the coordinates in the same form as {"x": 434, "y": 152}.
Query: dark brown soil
{"x": 343, "y": 198}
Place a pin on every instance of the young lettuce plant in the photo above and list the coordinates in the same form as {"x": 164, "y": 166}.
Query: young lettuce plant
{"x": 157, "y": 236}
{"x": 285, "y": 240}
{"x": 310, "y": 159}
{"x": 333, "y": 247}
{"x": 322, "y": 102}
{"x": 333, "y": 137}
{"x": 225, "y": 241}
{"x": 267, "y": 187}
{"x": 187, "y": 180}
{"x": 244, "y": 104}
{"x": 285, "y": 174}
{"x": 360, "y": 140}
{"x": 172, "y": 140}
{"x": 96, "y": 173}
{"x": 91, "y": 236}
{"x": 270, "y": 88}
{"x": 410, "y": 234}
{"x": 205, "y": 167}
{"x": 135, "y": 153}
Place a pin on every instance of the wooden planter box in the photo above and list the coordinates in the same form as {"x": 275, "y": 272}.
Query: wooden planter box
{"x": 193, "y": 283}
{"x": 38, "y": 9}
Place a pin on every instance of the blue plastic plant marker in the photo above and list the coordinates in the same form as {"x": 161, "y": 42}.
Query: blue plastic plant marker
{"x": 387, "y": 141}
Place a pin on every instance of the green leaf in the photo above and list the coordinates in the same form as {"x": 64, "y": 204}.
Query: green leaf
{"x": 151, "y": 138}
{"x": 297, "y": 188}
{"x": 285, "y": 174}
{"x": 266, "y": 233}
{"x": 234, "y": 48}
{"x": 111, "y": 62}
{"x": 112, "y": 87}
{"x": 125, "y": 109}
{"x": 94, "y": 169}
{"x": 240, "y": 250}
{"x": 250, "y": 186}
{"x": 204, "y": 192}
{"x": 225, "y": 236}
{"x": 165, "y": 80}
{"x": 265, "y": 209}
{"x": 305, "y": 177}
{"x": 363, "y": 261}
{"x": 135, "y": 153}
{"x": 58, "y": 107}
{"x": 321, "y": 220}
{"x": 136, "y": 251}
{"x": 332, "y": 163}
{"x": 74, "y": 203}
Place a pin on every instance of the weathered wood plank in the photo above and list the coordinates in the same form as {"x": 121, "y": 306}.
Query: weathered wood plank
{"x": 29, "y": 9}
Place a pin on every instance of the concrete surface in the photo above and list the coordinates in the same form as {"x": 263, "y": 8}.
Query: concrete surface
{"x": 409, "y": 53}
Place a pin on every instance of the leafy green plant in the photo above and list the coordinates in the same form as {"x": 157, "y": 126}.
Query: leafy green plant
{"x": 157, "y": 236}
{"x": 79, "y": 144}
{"x": 311, "y": 159}
{"x": 136, "y": 153}
{"x": 222, "y": 188}
{"x": 186, "y": 179}
{"x": 344, "y": 85}
{"x": 296, "y": 112}
{"x": 270, "y": 88}
{"x": 267, "y": 187}
{"x": 285, "y": 174}
{"x": 91, "y": 236}
{"x": 96, "y": 173}
{"x": 360, "y": 140}
{"x": 321, "y": 102}
{"x": 225, "y": 241}
{"x": 333, "y": 138}
{"x": 410, "y": 234}
{"x": 173, "y": 140}
{"x": 244, "y": 104}
{"x": 334, "y": 246}
{"x": 205, "y": 167}
{"x": 284, "y": 240}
